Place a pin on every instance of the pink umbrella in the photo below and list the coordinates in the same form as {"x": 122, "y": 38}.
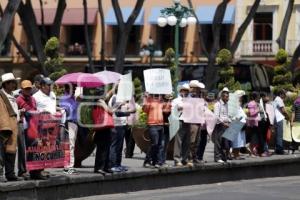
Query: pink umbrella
{"x": 81, "y": 79}
{"x": 108, "y": 76}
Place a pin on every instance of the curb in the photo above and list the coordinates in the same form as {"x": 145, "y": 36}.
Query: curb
{"x": 63, "y": 186}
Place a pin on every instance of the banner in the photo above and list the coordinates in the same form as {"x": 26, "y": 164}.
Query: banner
{"x": 125, "y": 88}
{"x": 233, "y": 130}
{"x": 46, "y": 145}
{"x": 158, "y": 81}
{"x": 193, "y": 110}
{"x": 174, "y": 124}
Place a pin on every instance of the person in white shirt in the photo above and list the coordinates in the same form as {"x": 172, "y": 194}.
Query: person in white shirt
{"x": 223, "y": 121}
{"x": 181, "y": 138}
{"x": 45, "y": 98}
{"x": 280, "y": 115}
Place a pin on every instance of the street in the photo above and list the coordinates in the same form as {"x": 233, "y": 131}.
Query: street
{"x": 282, "y": 188}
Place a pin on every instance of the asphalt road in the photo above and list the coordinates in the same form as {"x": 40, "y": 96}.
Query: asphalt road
{"x": 285, "y": 188}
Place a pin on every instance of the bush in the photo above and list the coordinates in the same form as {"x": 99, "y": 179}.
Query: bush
{"x": 224, "y": 57}
{"x": 138, "y": 89}
{"x": 281, "y": 56}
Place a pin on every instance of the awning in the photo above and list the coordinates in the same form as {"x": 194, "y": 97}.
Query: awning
{"x": 155, "y": 13}
{"x": 110, "y": 18}
{"x": 72, "y": 16}
{"x": 206, "y": 14}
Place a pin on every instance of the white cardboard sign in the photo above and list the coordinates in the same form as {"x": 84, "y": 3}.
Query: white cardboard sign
{"x": 125, "y": 88}
{"x": 158, "y": 81}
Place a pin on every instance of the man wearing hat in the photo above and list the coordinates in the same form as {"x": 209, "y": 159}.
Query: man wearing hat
{"x": 180, "y": 142}
{"x": 223, "y": 121}
{"x": 45, "y": 98}
{"x": 195, "y": 129}
{"x": 8, "y": 127}
{"x": 26, "y": 102}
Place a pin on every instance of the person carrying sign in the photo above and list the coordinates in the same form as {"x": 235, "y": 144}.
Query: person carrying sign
{"x": 181, "y": 138}
{"x": 154, "y": 107}
{"x": 221, "y": 112}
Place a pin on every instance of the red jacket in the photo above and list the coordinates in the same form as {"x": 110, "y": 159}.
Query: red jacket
{"x": 28, "y": 103}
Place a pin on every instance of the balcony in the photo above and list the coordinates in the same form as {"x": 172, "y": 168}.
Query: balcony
{"x": 258, "y": 48}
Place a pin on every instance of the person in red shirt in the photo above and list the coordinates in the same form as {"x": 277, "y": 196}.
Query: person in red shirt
{"x": 154, "y": 107}
{"x": 26, "y": 103}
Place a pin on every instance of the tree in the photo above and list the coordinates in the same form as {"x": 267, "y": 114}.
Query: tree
{"x": 124, "y": 29}
{"x": 211, "y": 70}
{"x": 7, "y": 19}
{"x": 87, "y": 38}
{"x": 243, "y": 27}
{"x": 33, "y": 33}
{"x": 102, "y": 51}
{"x": 282, "y": 76}
{"x": 285, "y": 24}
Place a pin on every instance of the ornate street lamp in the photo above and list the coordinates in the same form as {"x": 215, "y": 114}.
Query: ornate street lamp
{"x": 178, "y": 16}
{"x": 149, "y": 50}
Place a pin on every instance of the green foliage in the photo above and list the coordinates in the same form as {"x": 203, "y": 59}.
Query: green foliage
{"x": 169, "y": 60}
{"x": 142, "y": 122}
{"x": 224, "y": 57}
{"x": 227, "y": 79}
{"x": 54, "y": 62}
{"x": 138, "y": 89}
{"x": 282, "y": 78}
{"x": 281, "y": 56}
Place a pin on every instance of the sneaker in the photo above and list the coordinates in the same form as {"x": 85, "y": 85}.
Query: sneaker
{"x": 190, "y": 164}
{"x": 147, "y": 165}
{"x": 178, "y": 164}
{"x": 157, "y": 166}
{"x": 165, "y": 165}
{"x": 25, "y": 176}
{"x": 115, "y": 169}
{"x": 123, "y": 168}
{"x": 199, "y": 162}
{"x": 71, "y": 171}
{"x": 220, "y": 161}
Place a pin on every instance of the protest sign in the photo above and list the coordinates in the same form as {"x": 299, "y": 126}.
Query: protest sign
{"x": 296, "y": 131}
{"x": 233, "y": 105}
{"x": 158, "y": 81}
{"x": 46, "y": 146}
{"x": 173, "y": 123}
{"x": 287, "y": 132}
{"x": 193, "y": 110}
{"x": 233, "y": 130}
{"x": 125, "y": 88}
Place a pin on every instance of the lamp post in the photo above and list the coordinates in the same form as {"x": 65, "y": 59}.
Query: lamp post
{"x": 179, "y": 16}
{"x": 149, "y": 50}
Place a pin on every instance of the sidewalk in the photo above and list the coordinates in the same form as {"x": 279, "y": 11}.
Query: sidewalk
{"x": 61, "y": 186}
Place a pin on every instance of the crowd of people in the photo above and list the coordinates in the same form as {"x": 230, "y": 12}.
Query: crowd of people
{"x": 113, "y": 124}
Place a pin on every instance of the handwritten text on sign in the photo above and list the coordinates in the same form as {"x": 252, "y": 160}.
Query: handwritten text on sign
{"x": 158, "y": 81}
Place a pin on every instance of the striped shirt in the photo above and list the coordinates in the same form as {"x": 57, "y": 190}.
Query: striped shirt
{"x": 296, "y": 110}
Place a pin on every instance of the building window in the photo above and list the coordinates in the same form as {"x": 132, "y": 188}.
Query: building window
{"x": 134, "y": 40}
{"x": 165, "y": 38}
{"x": 208, "y": 36}
{"x": 75, "y": 43}
{"x": 5, "y": 47}
{"x": 263, "y": 26}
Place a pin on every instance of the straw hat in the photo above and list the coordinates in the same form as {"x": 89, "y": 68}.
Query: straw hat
{"x": 26, "y": 84}
{"x": 8, "y": 77}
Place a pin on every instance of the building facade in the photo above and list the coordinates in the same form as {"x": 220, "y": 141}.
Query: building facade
{"x": 258, "y": 43}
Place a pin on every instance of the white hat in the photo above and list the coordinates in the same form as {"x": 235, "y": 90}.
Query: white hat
{"x": 240, "y": 93}
{"x": 184, "y": 86}
{"x": 225, "y": 89}
{"x": 8, "y": 77}
{"x": 196, "y": 83}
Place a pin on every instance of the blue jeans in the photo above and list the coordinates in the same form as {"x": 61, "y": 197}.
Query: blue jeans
{"x": 154, "y": 154}
{"x": 117, "y": 140}
{"x": 279, "y": 136}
